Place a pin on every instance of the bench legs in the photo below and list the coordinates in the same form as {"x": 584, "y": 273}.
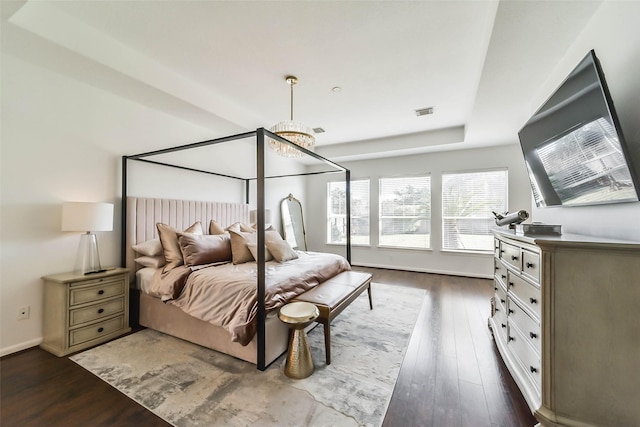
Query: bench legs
{"x": 327, "y": 329}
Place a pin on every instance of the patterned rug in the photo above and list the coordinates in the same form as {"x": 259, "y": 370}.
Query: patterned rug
{"x": 188, "y": 385}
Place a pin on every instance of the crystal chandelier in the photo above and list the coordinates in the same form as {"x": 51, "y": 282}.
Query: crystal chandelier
{"x": 295, "y": 132}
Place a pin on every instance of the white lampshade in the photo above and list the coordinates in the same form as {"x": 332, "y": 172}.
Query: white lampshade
{"x": 85, "y": 216}
{"x": 253, "y": 216}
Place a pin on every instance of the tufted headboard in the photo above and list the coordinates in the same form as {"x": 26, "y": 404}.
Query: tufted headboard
{"x": 144, "y": 213}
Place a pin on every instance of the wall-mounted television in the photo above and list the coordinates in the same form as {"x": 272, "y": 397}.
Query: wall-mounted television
{"x": 573, "y": 145}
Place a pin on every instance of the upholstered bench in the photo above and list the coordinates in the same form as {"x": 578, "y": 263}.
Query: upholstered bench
{"x": 333, "y": 296}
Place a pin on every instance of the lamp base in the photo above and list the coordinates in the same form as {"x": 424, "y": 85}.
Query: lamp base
{"x": 88, "y": 259}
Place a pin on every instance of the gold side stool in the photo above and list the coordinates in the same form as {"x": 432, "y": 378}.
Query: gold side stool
{"x": 298, "y": 315}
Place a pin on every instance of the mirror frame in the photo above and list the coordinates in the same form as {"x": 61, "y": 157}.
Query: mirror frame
{"x": 285, "y": 208}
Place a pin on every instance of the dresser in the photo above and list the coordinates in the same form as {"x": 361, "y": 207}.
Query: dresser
{"x": 566, "y": 321}
{"x": 81, "y": 311}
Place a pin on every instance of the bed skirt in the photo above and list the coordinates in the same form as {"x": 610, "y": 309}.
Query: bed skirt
{"x": 169, "y": 319}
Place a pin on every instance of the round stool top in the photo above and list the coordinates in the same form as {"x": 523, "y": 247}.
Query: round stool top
{"x": 298, "y": 312}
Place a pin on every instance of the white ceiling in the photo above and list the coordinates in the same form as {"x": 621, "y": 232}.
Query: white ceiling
{"x": 222, "y": 64}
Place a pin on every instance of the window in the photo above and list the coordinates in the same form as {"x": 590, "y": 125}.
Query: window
{"x": 468, "y": 200}
{"x": 405, "y": 212}
{"x": 337, "y": 212}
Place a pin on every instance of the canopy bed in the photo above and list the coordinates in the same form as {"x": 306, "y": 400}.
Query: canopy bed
{"x": 255, "y": 335}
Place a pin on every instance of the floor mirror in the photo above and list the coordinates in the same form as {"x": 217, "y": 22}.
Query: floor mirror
{"x": 293, "y": 223}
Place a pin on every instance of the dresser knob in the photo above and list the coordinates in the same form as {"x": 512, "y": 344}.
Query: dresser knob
{"x": 497, "y": 309}
{"x": 533, "y": 335}
{"x": 100, "y": 329}
{"x": 532, "y": 369}
{"x": 504, "y": 276}
{"x": 513, "y": 257}
{"x": 512, "y": 339}
{"x": 502, "y": 301}
{"x": 511, "y": 284}
{"x": 511, "y": 311}
{"x": 529, "y": 265}
{"x": 101, "y": 292}
{"x": 101, "y": 311}
{"x": 503, "y": 325}
{"x": 533, "y": 300}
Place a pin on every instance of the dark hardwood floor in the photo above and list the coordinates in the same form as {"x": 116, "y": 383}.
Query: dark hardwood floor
{"x": 452, "y": 374}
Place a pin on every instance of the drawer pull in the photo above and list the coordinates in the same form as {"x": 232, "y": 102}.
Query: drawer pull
{"x": 502, "y": 301}
{"x": 533, "y": 335}
{"x": 502, "y": 251}
{"x": 503, "y": 325}
{"x": 511, "y": 311}
{"x": 101, "y": 292}
{"x": 533, "y": 300}
{"x": 101, "y": 311}
{"x": 529, "y": 265}
{"x": 504, "y": 276}
{"x": 495, "y": 288}
{"x": 100, "y": 329}
{"x": 497, "y": 309}
{"x": 532, "y": 369}
{"x": 511, "y": 284}
{"x": 513, "y": 257}
{"x": 511, "y": 338}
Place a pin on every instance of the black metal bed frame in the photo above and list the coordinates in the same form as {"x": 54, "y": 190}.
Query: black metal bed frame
{"x": 259, "y": 134}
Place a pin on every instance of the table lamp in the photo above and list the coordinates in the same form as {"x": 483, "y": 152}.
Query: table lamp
{"x": 88, "y": 217}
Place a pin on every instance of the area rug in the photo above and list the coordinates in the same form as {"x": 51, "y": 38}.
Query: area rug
{"x": 188, "y": 385}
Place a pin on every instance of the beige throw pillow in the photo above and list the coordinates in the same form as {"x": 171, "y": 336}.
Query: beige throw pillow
{"x": 240, "y": 253}
{"x": 215, "y": 228}
{"x": 279, "y": 248}
{"x": 170, "y": 245}
{"x": 151, "y": 261}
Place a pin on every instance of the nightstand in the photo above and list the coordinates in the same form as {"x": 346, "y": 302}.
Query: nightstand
{"x": 81, "y": 311}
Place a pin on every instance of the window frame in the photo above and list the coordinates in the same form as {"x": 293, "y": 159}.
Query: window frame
{"x": 444, "y": 217}
{"x": 428, "y": 219}
{"x": 330, "y": 216}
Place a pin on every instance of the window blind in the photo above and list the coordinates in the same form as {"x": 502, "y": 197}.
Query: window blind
{"x": 337, "y": 212}
{"x": 405, "y": 212}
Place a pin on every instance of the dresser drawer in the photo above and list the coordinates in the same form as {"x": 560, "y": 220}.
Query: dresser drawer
{"x": 511, "y": 255}
{"x": 500, "y": 294}
{"x": 500, "y": 270}
{"x": 496, "y": 248}
{"x": 95, "y": 331}
{"x": 529, "y": 359}
{"x": 500, "y": 319}
{"x": 96, "y": 311}
{"x": 525, "y": 293}
{"x": 531, "y": 265}
{"x": 529, "y": 327}
{"x": 95, "y": 292}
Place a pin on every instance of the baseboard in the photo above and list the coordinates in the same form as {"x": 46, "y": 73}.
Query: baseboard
{"x": 421, "y": 270}
{"x": 19, "y": 347}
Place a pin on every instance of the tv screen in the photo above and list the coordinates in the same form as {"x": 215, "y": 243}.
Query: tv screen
{"x": 573, "y": 146}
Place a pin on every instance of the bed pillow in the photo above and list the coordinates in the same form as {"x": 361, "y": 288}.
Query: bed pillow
{"x": 215, "y": 228}
{"x": 279, "y": 248}
{"x": 151, "y": 261}
{"x": 151, "y": 247}
{"x": 204, "y": 249}
{"x": 170, "y": 245}
{"x": 240, "y": 253}
{"x": 239, "y": 226}
{"x": 253, "y": 248}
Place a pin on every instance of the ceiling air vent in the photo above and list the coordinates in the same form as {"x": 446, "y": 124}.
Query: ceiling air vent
{"x": 318, "y": 130}
{"x": 424, "y": 111}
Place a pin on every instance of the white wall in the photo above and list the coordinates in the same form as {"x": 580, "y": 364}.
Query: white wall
{"x": 434, "y": 260}
{"x": 62, "y": 140}
{"x": 614, "y": 33}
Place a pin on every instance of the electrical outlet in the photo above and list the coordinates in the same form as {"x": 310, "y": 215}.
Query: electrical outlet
{"x": 24, "y": 312}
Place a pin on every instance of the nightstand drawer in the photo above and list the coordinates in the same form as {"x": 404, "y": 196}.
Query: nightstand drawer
{"x": 96, "y": 292}
{"x": 96, "y": 331}
{"x": 97, "y": 311}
